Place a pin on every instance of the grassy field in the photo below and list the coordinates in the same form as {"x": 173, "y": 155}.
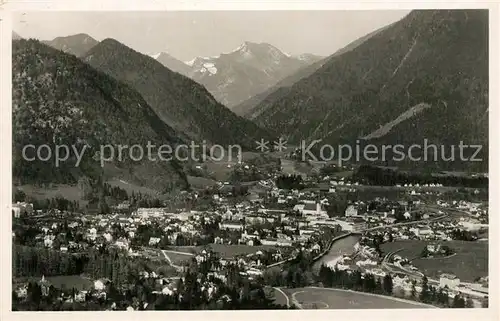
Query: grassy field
{"x": 219, "y": 170}
{"x": 279, "y": 297}
{"x": 70, "y": 192}
{"x": 470, "y": 261}
{"x": 179, "y": 259}
{"x": 319, "y": 298}
{"x": 225, "y": 251}
{"x": 200, "y": 182}
{"x": 63, "y": 281}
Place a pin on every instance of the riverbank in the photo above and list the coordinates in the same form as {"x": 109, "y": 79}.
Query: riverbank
{"x": 338, "y": 247}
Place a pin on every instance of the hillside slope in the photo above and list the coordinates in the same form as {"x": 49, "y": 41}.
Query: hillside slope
{"x": 59, "y": 100}
{"x": 76, "y": 45}
{"x": 433, "y": 57}
{"x": 172, "y": 63}
{"x": 253, "y": 107}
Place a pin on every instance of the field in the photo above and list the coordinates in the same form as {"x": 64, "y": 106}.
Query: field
{"x": 63, "y": 281}
{"x": 177, "y": 258}
{"x": 470, "y": 261}
{"x": 289, "y": 168}
{"x": 323, "y": 298}
{"x": 70, "y": 192}
{"x": 200, "y": 182}
{"x": 225, "y": 251}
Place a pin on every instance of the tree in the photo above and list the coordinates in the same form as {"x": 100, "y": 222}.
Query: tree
{"x": 458, "y": 302}
{"x": 469, "y": 303}
{"x": 432, "y": 294}
{"x": 413, "y": 291}
{"x": 442, "y": 297}
{"x": 425, "y": 294}
{"x": 387, "y": 284}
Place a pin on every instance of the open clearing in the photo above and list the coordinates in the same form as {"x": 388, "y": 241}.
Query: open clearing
{"x": 178, "y": 258}
{"x": 69, "y": 192}
{"x": 62, "y": 281}
{"x": 470, "y": 262}
{"x": 200, "y": 182}
{"x": 325, "y": 298}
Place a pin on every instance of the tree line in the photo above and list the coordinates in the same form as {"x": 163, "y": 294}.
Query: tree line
{"x": 387, "y": 177}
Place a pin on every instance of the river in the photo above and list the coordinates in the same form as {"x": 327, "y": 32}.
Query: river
{"x": 339, "y": 248}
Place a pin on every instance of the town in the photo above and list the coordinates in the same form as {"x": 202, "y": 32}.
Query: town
{"x": 260, "y": 233}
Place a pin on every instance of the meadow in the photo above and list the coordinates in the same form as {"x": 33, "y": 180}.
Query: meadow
{"x": 62, "y": 281}
{"x": 469, "y": 262}
{"x": 327, "y": 298}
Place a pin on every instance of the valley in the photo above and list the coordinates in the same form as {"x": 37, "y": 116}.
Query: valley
{"x": 197, "y": 190}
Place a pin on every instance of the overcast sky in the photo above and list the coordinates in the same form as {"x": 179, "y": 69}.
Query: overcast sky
{"x": 188, "y": 34}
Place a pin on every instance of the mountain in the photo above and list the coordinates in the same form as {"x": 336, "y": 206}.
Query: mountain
{"x": 248, "y": 70}
{"x": 59, "y": 100}
{"x": 180, "y": 102}
{"x": 173, "y": 63}
{"x": 76, "y": 45}
{"x": 423, "y": 77}
{"x": 308, "y": 58}
{"x": 15, "y": 36}
{"x": 253, "y": 107}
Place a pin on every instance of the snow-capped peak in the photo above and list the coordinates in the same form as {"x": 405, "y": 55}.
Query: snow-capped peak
{"x": 191, "y": 62}
{"x": 210, "y": 67}
{"x": 155, "y": 56}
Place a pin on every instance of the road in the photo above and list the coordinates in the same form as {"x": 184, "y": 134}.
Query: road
{"x": 284, "y": 294}
{"x": 405, "y": 223}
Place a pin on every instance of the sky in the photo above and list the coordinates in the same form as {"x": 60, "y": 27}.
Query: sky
{"x": 189, "y": 34}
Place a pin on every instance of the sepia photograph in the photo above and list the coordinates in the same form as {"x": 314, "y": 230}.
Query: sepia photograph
{"x": 250, "y": 160}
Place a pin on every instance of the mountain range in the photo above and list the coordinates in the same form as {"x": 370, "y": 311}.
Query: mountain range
{"x": 179, "y": 102}
{"x": 232, "y": 78}
{"x": 254, "y": 106}
{"x": 238, "y": 75}
{"x": 423, "y": 77}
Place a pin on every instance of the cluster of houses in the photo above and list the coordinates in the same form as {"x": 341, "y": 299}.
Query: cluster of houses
{"x": 22, "y": 209}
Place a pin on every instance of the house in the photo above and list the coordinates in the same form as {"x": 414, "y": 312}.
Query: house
{"x": 44, "y": 285}
{"x": 99, "y": 285}
{"x": 449, "y": 280}
{"x": 269, "y": 241}
{"x": 22, "y": 209}
{"x": 299, "y": 208}
{"x": 154, "y": 240}
{"x": 314, "y": 209}
{"x": 231, "y": 226}
{"x": 284, "y": 242}
{"x": 351, "y": 211}
{"x": 146, "y": 212}
{"x": 123, "y": 206}
{"x": 433, "y": 248}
